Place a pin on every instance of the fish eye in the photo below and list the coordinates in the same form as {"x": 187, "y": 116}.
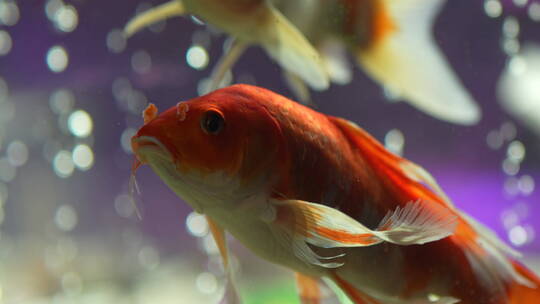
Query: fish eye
{"x": 212, "y": 122}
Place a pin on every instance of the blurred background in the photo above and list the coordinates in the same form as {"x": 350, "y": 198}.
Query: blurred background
{"x": 71, "y": 94}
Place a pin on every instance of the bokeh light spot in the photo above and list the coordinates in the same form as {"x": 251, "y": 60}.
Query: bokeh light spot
{"x": 526, "y": 184}
{"x": 520, "y": 3}
{"x": 116, "y": 41}
{"x": 80, "y": 123}
{"x": 63, "y": 164}
{"x": 517, "y": 235}
{"x": 51, "y": 7}
{"x": 65, "y": 218}
{"x": 9, "y": 13}
{"x": 148, "y": 258}
{"x": 510, "y": 27}
{"x": 197, "y": 57}
{"x": 62, "y": 101}
{"x": 141, "y": 62}
{"x": 206, "y": 283}
{"x": 83, "y": 157}
{"x": 493, "y": 8}
{"x": 494, "y": 139}
{"x": 196, "y": 224}
{"x": 510, "y": 167}
{"x": 394, "y": 141}
{"x": 534, "y": 11}
{"x": 66, "y": 18}
{"x": 7, "y": 170}
{"x": 57, "y": 59}
{"x": 4, "y": 90}
{"x": 5, "y": 43}
{"x": 17, "y": 153}
{"x": 124, "y": 205}
{"x": 516, "y": 151}
{"x": 125, "y": 139}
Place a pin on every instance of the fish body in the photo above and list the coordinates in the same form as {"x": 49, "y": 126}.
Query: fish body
{"x": 320, "y": 196}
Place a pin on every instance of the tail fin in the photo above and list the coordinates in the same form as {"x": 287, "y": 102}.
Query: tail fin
{"x": 522, "y": 294}
{"x": 406, "y": 59}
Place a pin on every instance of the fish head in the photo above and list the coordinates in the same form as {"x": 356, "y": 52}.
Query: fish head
{"x": 222, "y": 145}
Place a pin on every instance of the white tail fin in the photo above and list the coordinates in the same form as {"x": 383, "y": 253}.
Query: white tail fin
{"x": 408, "y": 60}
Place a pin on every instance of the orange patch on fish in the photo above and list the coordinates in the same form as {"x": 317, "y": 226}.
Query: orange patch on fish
{"x": 150, "y": 113}
{"x": 181, "y": 110}
{"x": 345, "y": 237}
{"x": 382, "y": 23}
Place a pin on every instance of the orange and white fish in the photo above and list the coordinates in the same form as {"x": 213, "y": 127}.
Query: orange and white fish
{"x": 390, "y": 39}
{"x": 320, "y": 196}
{"x": 248, "y": 22}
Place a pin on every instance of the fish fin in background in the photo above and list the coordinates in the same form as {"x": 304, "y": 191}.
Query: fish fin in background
{"x": 404, "y": 57}
{"x": 334, "y": 56}
{"x": 327, "y": 227}
{"x": 314, "y": 291}
{"x": 230, "y": 295}
{"x": 288, "y": 46}
{"x": 161, "y": 12}
{"x": 225, "y": 63}
{"x": 298, "y": 87}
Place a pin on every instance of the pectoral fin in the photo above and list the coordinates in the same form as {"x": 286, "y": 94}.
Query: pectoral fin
{"x": 230, "y": 295}
{"x": 158, "y": 13}
{"x": 322, "y": 226}
{"x": 416, "y": 223}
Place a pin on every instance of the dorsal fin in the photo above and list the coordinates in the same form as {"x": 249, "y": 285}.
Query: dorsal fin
{"x": 409, "y": 179}
{"x": 487, "y": 254}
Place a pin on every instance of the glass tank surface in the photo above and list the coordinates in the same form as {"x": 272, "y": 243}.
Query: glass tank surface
{"x": 453, "y": 86}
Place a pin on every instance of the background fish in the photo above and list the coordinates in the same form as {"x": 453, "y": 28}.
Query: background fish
{"x": 391, "y": 40}
{"x": 248, "y": 22}
{"x": 306, "y": 190}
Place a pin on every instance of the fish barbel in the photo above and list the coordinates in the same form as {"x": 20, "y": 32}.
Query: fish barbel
{"x": 320, "y": 196}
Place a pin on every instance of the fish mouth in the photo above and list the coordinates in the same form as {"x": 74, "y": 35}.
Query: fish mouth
{"x": 143, "y": 145}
